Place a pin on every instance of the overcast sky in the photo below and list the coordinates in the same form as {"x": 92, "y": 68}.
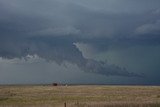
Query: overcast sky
{"x": 80, "y": 41}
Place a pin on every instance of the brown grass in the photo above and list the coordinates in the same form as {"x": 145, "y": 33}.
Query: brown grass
{"x": 80, "y": 96}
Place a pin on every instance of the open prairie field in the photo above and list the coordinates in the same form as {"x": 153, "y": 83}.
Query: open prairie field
{"x": 80, "y": 96}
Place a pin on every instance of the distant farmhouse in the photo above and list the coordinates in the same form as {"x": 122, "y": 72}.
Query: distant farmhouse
{"x": 54, "y": 84}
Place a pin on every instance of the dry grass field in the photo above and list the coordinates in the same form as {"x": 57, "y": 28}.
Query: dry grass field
{"x": 79, "y": 96}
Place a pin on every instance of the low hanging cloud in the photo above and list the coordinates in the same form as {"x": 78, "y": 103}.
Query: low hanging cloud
{"x": 53, "y": 49}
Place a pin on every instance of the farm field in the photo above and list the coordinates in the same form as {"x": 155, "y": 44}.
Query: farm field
{"x": 80, "y": 96}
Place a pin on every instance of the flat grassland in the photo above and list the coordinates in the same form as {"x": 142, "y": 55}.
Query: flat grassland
{"x": 80, "y": 96}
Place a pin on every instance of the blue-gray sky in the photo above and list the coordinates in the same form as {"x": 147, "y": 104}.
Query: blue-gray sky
{"x": 80, "y": 41}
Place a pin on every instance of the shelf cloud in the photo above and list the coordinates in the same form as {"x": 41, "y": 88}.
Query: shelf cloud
{"x": 82, "y": 33}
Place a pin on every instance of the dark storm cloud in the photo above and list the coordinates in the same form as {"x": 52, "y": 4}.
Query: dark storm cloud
{"x": 67, "y": 18}
{"x": 50, "y": 28}
{"x": 52, "y": 48}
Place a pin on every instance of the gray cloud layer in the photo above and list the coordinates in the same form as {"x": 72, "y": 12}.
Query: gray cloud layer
{"x": 54, "y": 49}
{"x": 50, "y": 28}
